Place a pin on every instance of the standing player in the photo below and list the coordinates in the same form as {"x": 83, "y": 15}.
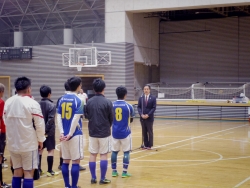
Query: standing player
{"x": 99, "y": 111}
{"x": 48, "y": 110}
{"x": 2, "y": 137}
{"x": 22, "y": 135}
{"x": 70, "y": 109}
{"x": 121, "y": 132}
{"x": 67, "y": 90}
{"x": 146, "y": 108}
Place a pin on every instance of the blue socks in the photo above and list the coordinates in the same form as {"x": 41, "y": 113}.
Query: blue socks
{"x": 114, "y": 159}
{"x": 75, "y": 175}
{"x": 103, "y": 167}
{"x": 16, "y": 182}
{"x": 28, "y": 183}
{"x": 65, "y": 172}
{"x": 125, "y": 161}
{"x": 92, "y": 167}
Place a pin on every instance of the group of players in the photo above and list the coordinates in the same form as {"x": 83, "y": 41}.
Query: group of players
{"x": 30, "y": 127}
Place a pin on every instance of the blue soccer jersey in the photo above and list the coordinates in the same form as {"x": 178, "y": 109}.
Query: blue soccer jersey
{"x": 123, "y": 112}
{"x": 69, "y": 106}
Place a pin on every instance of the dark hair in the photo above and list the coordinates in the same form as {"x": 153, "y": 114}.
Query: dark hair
{"x": 98, "y": 85}
{"x": 45, "y": 91}
{"x": 22, "y": 83}
{"x": 121, "y": 91}
{"x": 66, "y": 86}
{"x": 147, "y": 86}
{"x": 74, "y": 83}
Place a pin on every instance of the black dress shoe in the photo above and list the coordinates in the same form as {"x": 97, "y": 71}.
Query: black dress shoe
{"x": 81, "y": 168}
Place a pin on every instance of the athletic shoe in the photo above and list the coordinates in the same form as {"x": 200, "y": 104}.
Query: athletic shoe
{"x": 105, "y": 181}
{"x": 4, "y": 159}
{"x": 41, "y": 172}
{"x": 59, "y": 167}
{"x": 81, "y": 168}
{"x": 4, "y": 165}
{"x": 52, "y": 173}
{"x": 93, "y": 181}
{"x": 4, "y": 185}
{"x": 115, "y": 174}
{"x": 126, "y": 175}
{"x": 149, "y": 148}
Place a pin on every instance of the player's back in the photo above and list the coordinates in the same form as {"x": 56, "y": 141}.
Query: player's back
{"x": 20, "y": 132}
{"x": 123, "y": 111}
{"x": 69, "y": 105}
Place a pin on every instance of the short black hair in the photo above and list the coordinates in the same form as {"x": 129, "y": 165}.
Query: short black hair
{"x": 66, "y": 86}
{"x": 121, "y": 91}
{"x": 74, "y": 83}
{"x": 22, "y": 83}
{"x": 98, "y": 85}
{"x": 147, "y": 86}
{"x": 45, "y": 91}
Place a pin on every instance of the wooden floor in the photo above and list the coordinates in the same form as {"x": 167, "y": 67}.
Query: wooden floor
{"x": 191, "y": 153}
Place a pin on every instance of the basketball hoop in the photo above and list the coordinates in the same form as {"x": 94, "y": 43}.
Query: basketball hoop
{"x": 80, "y": 67}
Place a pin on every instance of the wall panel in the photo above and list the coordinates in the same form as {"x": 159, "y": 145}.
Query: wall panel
{"x": 46, "y": 68}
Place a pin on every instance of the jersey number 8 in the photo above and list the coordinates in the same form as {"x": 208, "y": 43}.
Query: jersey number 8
{"x": 118, "y": 114}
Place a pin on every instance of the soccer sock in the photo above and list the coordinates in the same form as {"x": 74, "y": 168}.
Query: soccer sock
{"x": 92, "y": 167}
{"x": 1, "y": 174}
{"x": 61, "y": 161}
{"x": 50, "y": 160}
{"x": 125, "y": 161}
{"x": 74, "y": 175}
{"x": 114, "y": 160}
{"x": 103, "y": 167}
{"x": 65, "y": 172}
{"x": 16, "y": 182}
{"x": 40, "y": 161}
{"x": 28, "y": 183}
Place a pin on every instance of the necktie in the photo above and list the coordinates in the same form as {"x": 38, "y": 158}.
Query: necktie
{"x": 146, "y": 100}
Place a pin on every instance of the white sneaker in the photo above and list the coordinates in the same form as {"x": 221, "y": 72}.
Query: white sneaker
{"x": 4, "y": 165}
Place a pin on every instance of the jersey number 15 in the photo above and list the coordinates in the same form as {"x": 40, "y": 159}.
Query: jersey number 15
{"x": 66, "y": 110}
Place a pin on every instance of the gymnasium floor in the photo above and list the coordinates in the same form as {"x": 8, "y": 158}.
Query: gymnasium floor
{"x": 191, "y": 154}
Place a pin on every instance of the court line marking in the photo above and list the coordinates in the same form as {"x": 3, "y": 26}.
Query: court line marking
{"x": 156, "y": 152}
{"x": 244, "y": 181}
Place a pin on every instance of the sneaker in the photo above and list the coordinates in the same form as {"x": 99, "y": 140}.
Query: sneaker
{"x": 115, "y": 174}
{"x": 52, "y": 173}
{"x": 81, "y": 168}
{"x": 126, "y": 175}
{"x": 59, "y": 167}
{"x": 93, "y": 181}
{"x": 41, "y": 172}
{"x": 4, "y": 159}
{"x": 4, "y": 165}
{"x": 105, "y": 181}
{"x": 4, "y": 185}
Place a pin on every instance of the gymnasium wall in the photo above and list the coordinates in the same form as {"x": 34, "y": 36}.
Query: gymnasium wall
{"x": 46, "y": 68}
{"x": 212, "y": 50}
{"x": 53, "y": 37}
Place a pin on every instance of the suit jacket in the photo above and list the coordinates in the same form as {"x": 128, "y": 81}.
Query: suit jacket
{"x": 147, "y": 109}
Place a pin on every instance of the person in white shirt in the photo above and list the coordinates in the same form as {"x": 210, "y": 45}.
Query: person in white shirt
{"x": 83, "y": 96}
{"x": 23, "y": 137}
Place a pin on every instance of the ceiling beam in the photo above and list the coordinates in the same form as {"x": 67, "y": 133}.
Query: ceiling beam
{"x": 93, "y": 11}
{"x": 220, "y": 10}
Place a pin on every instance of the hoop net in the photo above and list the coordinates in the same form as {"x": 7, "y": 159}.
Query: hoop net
{"x": 80, "y": 67}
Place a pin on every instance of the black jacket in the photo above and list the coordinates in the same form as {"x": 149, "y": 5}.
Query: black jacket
{"x": 99, "y": 112}
{"x": 147, "y": 109}
{"x": 48, "y": 110}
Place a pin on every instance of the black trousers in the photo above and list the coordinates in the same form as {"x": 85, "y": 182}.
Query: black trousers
{"x": 147, "y": 132}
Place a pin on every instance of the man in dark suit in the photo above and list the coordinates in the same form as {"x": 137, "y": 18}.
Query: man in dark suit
{"x": 146, "y": 108}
